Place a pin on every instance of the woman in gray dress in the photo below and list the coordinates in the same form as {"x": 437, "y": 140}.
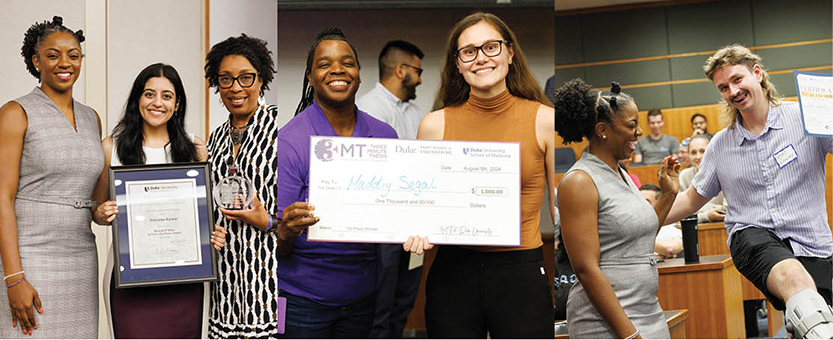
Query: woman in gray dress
{"x": 52, "y": 156}
{"x": 607, "y": 227}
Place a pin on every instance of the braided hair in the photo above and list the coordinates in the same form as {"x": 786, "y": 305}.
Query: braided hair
{"x": 578, "y": 107}
{"x": 307, "y": 91}
{"x": 37, "y": 33}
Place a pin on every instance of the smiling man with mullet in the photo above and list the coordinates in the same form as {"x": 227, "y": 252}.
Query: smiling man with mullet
{"x": 773, "y": 175}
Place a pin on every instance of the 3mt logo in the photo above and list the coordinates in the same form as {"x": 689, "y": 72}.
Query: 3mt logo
{"x": 325, "y": 149}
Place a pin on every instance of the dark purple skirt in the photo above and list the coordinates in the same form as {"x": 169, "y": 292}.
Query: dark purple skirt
{"x": 173, "y": 311}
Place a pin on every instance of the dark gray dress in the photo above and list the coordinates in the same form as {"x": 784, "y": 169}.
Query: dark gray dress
{"x": 627, "y": 228}
{"x": 59, "y": 168}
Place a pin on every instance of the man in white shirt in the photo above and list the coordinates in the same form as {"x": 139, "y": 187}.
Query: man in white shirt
{"x": 390, "y": 101}
{"x": 400, "y": 73}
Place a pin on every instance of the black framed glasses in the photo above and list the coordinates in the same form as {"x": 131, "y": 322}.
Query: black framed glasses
{"x": 245, "y": 80}
{"x": 490, "y": 49}
{"x": 418, "y": 70}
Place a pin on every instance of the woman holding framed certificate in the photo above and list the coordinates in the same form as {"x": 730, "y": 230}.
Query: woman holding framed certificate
{"x": 151, "y": 131}
{"x": 244, "y": 300}
{"x": 51, "y": 159}
{"x": 487, "y": 93}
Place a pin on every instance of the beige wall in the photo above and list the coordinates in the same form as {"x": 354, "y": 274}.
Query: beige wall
{"x": 140, "y": 33}
{"x": 16, "y": 17}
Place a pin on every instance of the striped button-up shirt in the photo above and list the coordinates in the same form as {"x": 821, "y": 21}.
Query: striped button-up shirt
{"x": 766, "y": 186}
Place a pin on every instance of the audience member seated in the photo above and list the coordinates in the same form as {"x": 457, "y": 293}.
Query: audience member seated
{"x": 682, "y": 154}
{"x": 699, "y": 125}
{"x": 715, "y": 209}
{"x": 653, "y": 148}
{"x": 669, "y": 240}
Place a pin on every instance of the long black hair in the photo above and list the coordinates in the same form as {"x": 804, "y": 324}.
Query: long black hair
{"x": 37, "y": 33}
{"x": 307, "y": 91}
{"x": 128, "y": 135}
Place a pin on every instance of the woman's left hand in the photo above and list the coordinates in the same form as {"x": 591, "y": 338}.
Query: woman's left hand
{"x": 669, "y": 175}
{"x": 218, "y": 237}
{"x": 255, "y": 215}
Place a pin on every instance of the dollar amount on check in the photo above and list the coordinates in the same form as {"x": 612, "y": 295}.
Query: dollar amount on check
{"x": 384, "y": 190}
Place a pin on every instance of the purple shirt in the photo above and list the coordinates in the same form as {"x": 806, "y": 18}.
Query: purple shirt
{"x": 784, "y": 195}
{"x": 329, "y": 273}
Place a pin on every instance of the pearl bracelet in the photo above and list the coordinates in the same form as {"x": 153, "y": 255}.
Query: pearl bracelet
{"x": 10, "y": 275}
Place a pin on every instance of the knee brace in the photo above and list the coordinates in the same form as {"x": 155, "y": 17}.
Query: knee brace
{"x": 808, "y": 316}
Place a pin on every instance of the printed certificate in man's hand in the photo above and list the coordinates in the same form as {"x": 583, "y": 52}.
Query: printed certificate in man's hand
{"x": 815, "y": 96}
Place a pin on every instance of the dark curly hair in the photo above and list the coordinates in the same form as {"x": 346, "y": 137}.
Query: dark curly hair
{"x": 578, "y": 107}
{"x": 253, "y": 49}
{"x": 37, "y": 33}
{"x": 307, "y": 92}
{"x": 128, "y": 135}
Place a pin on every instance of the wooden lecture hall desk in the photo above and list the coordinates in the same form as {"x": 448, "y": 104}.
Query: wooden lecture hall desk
{"x": 710, "y": 290}
{"x": 712, "y": 241}
{"x": 676, "y": 320}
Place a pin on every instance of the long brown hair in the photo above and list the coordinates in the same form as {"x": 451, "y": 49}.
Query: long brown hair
{"x": 739, "y": 55}
{"x": 519, "y": 80}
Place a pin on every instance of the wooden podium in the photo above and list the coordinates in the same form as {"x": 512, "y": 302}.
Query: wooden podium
{"x": 710, "y": 290}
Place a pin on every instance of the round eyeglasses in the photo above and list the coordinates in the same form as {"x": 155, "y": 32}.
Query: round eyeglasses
{"x": 245, "y": 80}
{"x": 490, "y": 49}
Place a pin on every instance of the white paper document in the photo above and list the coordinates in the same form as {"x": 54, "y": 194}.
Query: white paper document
{"x": 815, "y": 95}
{"x": 163, "y": 227}
{"x": 384, "y": 190}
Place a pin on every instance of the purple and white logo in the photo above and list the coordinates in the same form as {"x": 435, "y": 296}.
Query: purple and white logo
{"x": 324, "y": 150}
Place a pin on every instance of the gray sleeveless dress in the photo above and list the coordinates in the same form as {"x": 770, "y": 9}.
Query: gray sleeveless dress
{"x": 58, "y": 171}
{"x": 627, "y": 228}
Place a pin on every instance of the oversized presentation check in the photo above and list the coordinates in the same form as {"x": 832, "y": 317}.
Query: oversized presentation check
{"x": 384, "y": 190}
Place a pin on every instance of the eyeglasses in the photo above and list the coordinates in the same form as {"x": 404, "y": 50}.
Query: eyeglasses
{"x": 490, "y": 49}
{"x": 245, "y": 80}
{"x": 418, "y": 70}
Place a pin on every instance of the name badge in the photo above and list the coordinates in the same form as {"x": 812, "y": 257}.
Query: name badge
{"x": 785, "y": 156}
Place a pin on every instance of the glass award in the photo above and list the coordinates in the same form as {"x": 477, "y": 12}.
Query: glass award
{"x": 233, "y": 192}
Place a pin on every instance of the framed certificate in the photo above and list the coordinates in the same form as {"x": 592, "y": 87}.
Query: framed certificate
{"x": 162, "y": 232}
